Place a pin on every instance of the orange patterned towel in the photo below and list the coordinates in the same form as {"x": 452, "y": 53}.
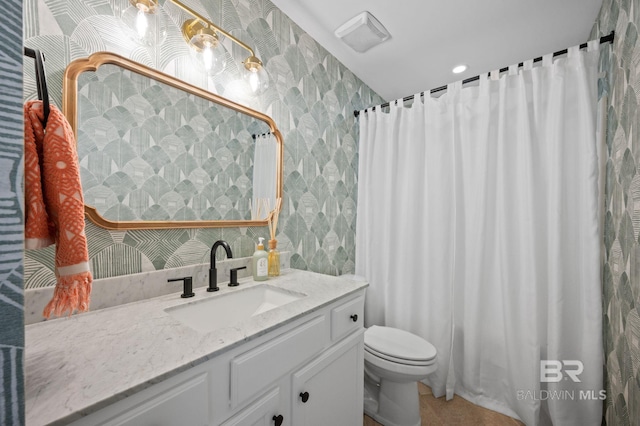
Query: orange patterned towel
{"x": 55, "y": 206}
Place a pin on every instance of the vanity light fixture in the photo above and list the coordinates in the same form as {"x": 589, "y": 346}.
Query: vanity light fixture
{"x": 459, "y": 69}
{"x": 145, "y": 22}
{"x": 203, "y": 36}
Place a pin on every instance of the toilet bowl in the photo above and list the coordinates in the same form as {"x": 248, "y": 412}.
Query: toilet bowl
{"x": 394, "y": 361}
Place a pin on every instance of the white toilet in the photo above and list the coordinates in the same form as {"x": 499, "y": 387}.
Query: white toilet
{"x": 394, "y": 362}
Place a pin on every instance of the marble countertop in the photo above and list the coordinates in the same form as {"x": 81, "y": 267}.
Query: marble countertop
{"x": 78, "y": 365}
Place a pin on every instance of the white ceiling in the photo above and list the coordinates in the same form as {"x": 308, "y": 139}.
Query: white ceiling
{"x": 429, "y": 37}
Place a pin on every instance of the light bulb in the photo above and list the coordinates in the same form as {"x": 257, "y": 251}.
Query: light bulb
{"x": 254, "y": 81}
{"x": 141, "y": 23}
{"x": 207, "y": 58}
{"x": 144, "y": 22}
{"x": 255, "y": 75}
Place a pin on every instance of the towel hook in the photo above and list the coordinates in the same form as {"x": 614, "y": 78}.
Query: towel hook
{"x": 41, "y": 81}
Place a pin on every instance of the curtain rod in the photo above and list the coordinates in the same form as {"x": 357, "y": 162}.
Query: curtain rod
{"x": 261, "y": 135}
{"x": 605, "y": 39}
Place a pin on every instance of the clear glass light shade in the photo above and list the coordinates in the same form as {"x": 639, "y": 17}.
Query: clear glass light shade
{"x": 145, "y": 25}
{"x": 209, "y": 55}
{"x": 257, "y": 79}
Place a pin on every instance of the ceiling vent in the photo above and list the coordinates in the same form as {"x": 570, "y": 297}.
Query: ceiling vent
{"x": 362, "y": 32}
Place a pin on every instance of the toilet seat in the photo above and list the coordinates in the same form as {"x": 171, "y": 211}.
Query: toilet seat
{"x": 419, "y": 363}
{"x": 399, "y": 346}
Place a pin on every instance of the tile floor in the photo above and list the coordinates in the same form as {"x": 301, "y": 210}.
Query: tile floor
{"x": 457, "y": 412}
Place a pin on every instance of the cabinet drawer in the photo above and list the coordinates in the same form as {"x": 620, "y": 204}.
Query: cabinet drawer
{"x": 347, "y": 317}
{"x": 253, "y": 371}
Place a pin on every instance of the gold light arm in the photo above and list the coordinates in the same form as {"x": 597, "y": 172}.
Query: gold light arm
{"x": 214, "y": 26}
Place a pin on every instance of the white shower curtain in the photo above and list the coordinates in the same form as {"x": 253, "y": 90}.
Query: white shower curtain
{"x": 478, "y": 229}
{"x": 264, "y": 175}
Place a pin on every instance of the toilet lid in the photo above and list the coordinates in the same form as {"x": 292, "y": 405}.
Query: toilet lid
{"x": 392, "y": 343}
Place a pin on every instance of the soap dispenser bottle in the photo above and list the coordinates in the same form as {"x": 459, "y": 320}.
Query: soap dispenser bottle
{"x": 260, "y": 262}
{"x": 274, "y": 259}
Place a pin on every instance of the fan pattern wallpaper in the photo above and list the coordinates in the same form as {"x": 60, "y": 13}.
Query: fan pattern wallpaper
{"x": 311, "y": 97}
{"x": 149, "y": 151}
{"x": 621, "y": 272}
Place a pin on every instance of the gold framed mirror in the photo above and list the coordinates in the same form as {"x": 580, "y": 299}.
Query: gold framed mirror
{"x": 156, "y": 152}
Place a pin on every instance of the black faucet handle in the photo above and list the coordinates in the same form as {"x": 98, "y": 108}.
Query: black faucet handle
{"x": 233, "y": 276}
{"x": 187, "y": 290}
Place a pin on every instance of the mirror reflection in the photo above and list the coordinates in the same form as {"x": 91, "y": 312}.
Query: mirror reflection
{"x": 156, "y": 154}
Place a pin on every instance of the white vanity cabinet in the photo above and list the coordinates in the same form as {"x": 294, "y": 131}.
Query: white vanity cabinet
{"x": 306, "y": 372}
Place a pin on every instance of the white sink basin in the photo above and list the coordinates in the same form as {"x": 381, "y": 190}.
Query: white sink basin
{"x": 226, "y": 310}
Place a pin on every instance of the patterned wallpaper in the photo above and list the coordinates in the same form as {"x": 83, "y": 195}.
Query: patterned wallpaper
{"x": 149, "y": 151}
{"x": 311, "y": 97}
{"x": 621, "y": 275}
{"x": 11, "y": 223}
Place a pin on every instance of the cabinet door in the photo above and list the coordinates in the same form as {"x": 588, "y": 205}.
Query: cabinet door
{"x": 264, "y": 412}
{"x": 173, "y": 402}
{"x": 328, "y": 391}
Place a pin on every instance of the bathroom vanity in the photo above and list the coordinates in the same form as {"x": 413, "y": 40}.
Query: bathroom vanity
{"x": 297, "y": 359}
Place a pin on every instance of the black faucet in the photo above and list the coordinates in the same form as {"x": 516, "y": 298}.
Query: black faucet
{"x": 213, "y": 273}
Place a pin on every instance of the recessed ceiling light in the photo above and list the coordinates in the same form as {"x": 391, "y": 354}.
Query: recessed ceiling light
{"x": 458, "y": 69}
